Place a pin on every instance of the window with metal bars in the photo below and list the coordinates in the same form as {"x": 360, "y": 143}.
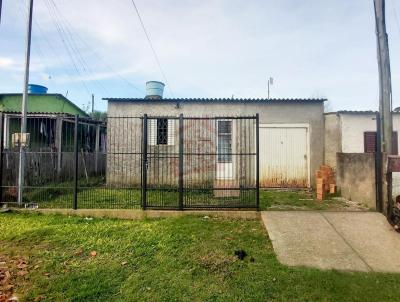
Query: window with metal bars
{"x": 162, "y": 131}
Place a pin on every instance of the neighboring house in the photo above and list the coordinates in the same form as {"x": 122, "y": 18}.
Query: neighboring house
{"x": 50, "y": 124}
{"x": 291, "y": 130}
{"x": 43, "y": 111}
{"x": 355, "y": 132}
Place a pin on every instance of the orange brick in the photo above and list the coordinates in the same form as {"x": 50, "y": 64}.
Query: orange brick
{"x": 318, "y": 174}
{"x": 320, "y": 197}
{"x": 332, "y": 189}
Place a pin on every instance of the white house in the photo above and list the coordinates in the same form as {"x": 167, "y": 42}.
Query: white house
{"x": 355, "y": 132}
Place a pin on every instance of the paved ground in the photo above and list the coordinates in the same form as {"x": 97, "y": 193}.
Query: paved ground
{"x": 355, "y": 241}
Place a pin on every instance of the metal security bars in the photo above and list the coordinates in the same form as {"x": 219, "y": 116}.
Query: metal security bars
{"x": 149, "y": 162}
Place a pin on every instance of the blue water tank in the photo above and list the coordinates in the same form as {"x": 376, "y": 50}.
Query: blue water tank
{"x": 154, "y": 89}
{"x": 37, "y": 89}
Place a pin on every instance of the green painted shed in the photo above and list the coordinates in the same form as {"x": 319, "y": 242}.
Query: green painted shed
{"x": 40, "y": 103}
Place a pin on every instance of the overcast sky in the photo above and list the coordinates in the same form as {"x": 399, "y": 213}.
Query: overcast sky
{"x": 207, "y": 48}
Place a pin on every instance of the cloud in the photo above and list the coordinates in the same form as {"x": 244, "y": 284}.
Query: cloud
{"x": 212, "y": 48}
{"x": 6, "y": 63}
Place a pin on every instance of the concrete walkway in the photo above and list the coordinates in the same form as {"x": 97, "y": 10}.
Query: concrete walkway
{"x": 355, "y": 241}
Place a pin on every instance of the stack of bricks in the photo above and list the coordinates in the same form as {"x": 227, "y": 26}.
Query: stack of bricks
{"x": 326, "y": 183}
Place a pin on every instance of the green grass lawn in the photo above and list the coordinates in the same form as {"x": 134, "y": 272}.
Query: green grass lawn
{"x": 97, "y": 195}
{"x": 176, "y": 259}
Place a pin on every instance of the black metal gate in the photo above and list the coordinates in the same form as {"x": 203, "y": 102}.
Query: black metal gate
{"x": 144, "y": 162}
{"x": 200, "y": 162}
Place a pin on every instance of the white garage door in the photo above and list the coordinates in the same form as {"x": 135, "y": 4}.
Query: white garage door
{"x": 284, "y": 156}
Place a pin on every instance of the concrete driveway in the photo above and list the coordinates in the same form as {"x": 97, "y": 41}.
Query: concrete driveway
{"x": 354, "y": 241}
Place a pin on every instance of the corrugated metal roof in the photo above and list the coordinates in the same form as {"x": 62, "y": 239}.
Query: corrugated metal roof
{"x": 360, "y": 112}
{"x": 52, "y": 115}
{"x": 48, "y": 102}
{"x": 217, "y": 100}
{"x": 357, "y": 112}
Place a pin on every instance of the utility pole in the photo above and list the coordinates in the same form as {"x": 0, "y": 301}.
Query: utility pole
{"x": 23, "y": 144}
{"x": 92, "y": 104}
{"x": 1, "y": 5}
{"x": 385, "y": 85}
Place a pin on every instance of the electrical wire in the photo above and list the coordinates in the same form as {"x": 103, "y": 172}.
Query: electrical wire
{"x": 36, "y": 46}
{"x": 73, "y": 53}
{"x": 66, "y": 45}
{"x": 86, "y": 67}
{"x": 152, "y": 47}
{"x": 74, "y": 47}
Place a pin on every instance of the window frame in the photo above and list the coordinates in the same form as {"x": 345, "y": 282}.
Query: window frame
{"x": 395, "y": 146}
{"x": 228, "y": 135}
{"x": 162, "y": 141}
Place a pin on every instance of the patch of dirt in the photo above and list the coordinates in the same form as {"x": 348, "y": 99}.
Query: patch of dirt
{"x": 217, "y": 262}
{"x": 286, "y": 207}
{"x": 349, "y": 205}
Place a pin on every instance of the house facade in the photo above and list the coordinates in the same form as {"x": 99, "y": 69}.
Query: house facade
{"x": 355, "y": 132}
{"x": 50, "y": 124}
{"x": 291, "y": 132}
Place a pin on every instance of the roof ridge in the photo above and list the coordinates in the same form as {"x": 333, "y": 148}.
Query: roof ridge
{"x": 218, "y": 99}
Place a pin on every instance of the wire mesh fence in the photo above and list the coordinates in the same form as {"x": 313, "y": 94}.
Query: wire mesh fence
{"x": 132, "y": 162}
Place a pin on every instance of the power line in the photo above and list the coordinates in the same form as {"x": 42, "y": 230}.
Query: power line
{"x": 152, "y": 48}
{"x": 74, "y": 46}
{"x": 72, "y": 51}
{"x": 86, "y": 67}
{"x": 67, "y": 48}
{"x": 57, "y": 56}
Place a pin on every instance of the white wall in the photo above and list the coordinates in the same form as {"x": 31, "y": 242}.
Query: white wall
{"x": 353, "y": 127}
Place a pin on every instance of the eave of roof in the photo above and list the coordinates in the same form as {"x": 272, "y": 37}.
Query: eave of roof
{"x": 357, "y": 112}
{"x": 57, "y": 95}
{"x": 215, "y": 100}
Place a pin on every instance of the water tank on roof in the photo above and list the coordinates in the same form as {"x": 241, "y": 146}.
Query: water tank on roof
{"x": 154, "y": 90}
{"x": 37, "y": 89}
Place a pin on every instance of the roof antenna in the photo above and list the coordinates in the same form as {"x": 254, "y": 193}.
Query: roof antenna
{"x": 270, "y": 83}
{"x": 66, "y": 94}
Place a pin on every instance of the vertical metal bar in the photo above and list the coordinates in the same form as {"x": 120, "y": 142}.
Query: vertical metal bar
{"x": 144, "y": 162}
{"x": 258, "y": 161}
{"x": 181, "y": 161}
{"x": 378, "y": 165}
{"x": 1, "y": 155}
{"x": 75, "y": 204}
{"x": 97, "y": 149}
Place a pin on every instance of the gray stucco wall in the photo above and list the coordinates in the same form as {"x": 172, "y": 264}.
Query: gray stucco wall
{"x": 333, "y": 139}
{"x": 270, "y": 113}
{"x": 356, "y": 177}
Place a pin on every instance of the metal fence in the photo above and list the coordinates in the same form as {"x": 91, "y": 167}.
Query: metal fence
{"x": 134, "y": 162}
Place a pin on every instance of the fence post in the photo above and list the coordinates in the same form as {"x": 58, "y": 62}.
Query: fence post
{"x": 378, "y": 165}
{"x": 181, "y": 161}
{"x": 258, "y": 161}
{"x": 75, "y": 204}
{"x": 1, "y": 155}
{"x": 144, "y": 162}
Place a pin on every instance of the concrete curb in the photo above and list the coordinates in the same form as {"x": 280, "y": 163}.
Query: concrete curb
{"x": 140, "y": 214}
